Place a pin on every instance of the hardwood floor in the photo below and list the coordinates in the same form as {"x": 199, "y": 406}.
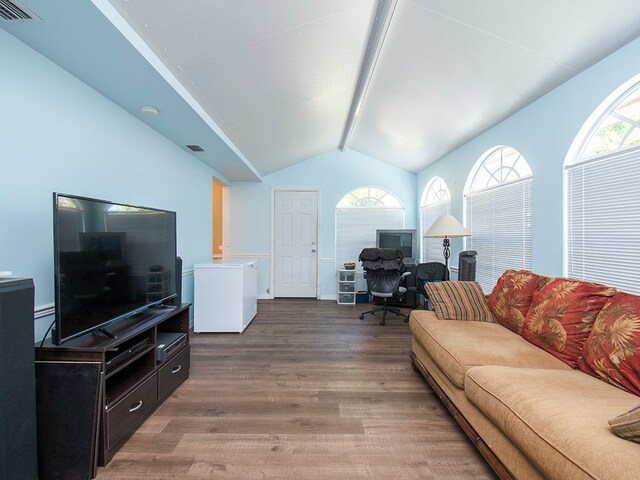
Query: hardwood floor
{"x": 308, "y": 391}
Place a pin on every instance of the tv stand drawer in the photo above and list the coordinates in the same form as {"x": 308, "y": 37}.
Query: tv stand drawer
{"x": 131, "y": 411}
{"x": 173, "y": 372}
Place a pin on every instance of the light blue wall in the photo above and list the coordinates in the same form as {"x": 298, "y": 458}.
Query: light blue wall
{"x": 58, "y": 134}
{"x": 543, "y": 132}
{"x": 335, "y": 174}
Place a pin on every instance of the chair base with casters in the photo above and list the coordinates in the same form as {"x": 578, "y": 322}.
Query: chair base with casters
{"x": 385, "y": 308}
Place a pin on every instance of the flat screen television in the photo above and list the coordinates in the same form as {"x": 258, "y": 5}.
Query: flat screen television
{"x": 111, "y": 260}
{"x": 404, "y": 240}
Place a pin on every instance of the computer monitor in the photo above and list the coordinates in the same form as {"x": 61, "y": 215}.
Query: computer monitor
{"x": 467, "y": 265}
{"x": 404, "y": 240}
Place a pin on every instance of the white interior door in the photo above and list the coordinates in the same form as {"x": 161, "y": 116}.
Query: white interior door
{"x": 295, "y": 242}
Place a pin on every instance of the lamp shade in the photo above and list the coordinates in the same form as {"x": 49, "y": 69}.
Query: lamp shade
{"x": 446, "y": 226}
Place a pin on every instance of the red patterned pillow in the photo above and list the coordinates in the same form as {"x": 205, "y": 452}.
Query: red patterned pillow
{"x": 511, "y": 298}
{"x": 612, "y": 350}
{"x": 562, "y": 314}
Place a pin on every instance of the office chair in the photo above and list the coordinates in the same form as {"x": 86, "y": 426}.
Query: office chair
{"x": 384, "y": 269}
{"x": 427, "y": 272}
{"x": 467, "y": 266}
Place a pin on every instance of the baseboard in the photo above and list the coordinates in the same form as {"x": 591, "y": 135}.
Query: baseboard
{"x": 264, "y": 296}
{"x": 329, "y": 297}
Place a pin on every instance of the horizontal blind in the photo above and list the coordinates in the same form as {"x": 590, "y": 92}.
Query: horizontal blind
{"x": 356, "y": 230}
{"x": 432, "y": 247}
{"x": 499, "y": 220}
{"x": 603, "y": 216}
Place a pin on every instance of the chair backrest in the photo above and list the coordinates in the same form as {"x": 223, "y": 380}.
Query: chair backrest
{"x": 430, "y": 272}
{"x": 383, "y": 281}
{"x": 383, "y": 268}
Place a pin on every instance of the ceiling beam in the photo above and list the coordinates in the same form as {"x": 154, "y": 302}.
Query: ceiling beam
{"x": 384, "y": 14}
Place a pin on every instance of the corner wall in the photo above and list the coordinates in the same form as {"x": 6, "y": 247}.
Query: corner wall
{"x": 543, "y": 132}
{"x": 59, "y": 135}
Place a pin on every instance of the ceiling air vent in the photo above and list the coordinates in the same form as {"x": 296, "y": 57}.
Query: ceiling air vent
{"x": 12, "y": 11}
{"x": 195, "y": 148}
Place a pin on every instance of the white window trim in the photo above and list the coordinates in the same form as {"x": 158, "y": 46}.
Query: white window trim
{"x": 469, "y": 184}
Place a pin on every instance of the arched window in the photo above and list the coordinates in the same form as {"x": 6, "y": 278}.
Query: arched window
{"x": 602, "y": 197}
{"x": 358, "y": 215}
{"x": 436, "y": 201}
{"x": 498, "y": 214}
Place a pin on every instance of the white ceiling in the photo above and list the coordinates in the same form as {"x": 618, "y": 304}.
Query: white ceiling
{"x": 450, "y": 70}
{"x": 276, "y": 75}
{"x": 264, "y": 84}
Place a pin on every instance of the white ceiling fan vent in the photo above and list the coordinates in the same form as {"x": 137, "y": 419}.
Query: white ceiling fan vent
{"x": 195, "y": 148}
{"x": 12, "y": 11}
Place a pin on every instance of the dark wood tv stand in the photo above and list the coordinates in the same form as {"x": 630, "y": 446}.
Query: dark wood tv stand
{"x": 134, "y": 384}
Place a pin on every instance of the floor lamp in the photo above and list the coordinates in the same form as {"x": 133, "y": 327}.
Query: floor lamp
{"x": 446, "y": 227}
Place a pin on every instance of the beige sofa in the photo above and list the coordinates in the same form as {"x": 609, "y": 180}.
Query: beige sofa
{"x": 529, "y": 414}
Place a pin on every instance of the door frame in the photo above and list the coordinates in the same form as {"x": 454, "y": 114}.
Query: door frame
{"x": 272, "y": 279}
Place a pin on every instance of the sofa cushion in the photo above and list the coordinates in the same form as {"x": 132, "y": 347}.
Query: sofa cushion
{"x": 562, "y": 314}
{"x": 612, "y": 350}
{"x": 511, "y": 297}
{"x": 459, "y": 301}
{"x": 558, "y": 418}
{"x": 627, "y": 425}
{"x": 458, "y": 345}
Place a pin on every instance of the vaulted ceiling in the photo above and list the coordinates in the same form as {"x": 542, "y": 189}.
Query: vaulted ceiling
{"x": 264, "y": 84}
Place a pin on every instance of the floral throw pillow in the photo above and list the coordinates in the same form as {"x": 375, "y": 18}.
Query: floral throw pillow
{"x": 511, "y": 298}
{"x": 562, "y": 314}
{"x": 612, "y": 350}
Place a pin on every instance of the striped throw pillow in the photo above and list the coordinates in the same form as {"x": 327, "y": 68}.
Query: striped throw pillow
{"x": 459, "y": 301}
{"x": 627, "y": 425}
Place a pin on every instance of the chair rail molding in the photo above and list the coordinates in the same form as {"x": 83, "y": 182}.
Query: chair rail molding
{"x": 249, "y": 255}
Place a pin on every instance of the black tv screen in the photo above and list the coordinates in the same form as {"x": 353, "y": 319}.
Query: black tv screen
{"x": 111, "y": 261}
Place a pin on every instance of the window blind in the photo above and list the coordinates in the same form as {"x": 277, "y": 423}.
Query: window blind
{"x": 356, "y": 229}
{"x": 432, "y": 247}
{"x": 603, "y": 220}
{"x": 499, "y": 220}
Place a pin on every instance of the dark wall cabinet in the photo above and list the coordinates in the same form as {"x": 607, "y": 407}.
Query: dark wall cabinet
{"x": 18, "y": 456}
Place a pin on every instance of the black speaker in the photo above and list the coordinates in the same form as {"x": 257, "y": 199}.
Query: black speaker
{"x": 18, "y": 452}
{"x": 467, "y": 265}
{"x": 69, "y": 401}
{"x": 178, "y": 299}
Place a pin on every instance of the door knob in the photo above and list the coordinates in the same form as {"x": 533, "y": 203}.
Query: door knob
{"x": 313, "y": 250}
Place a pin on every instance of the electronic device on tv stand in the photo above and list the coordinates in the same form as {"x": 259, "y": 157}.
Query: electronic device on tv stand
{"x": 168, "y": 345}
{"x": 125, "y": 355}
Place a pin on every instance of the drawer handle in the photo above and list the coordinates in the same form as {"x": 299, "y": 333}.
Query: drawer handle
{"x": 136, "y": 406}
{"x": 176, "y": 369}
